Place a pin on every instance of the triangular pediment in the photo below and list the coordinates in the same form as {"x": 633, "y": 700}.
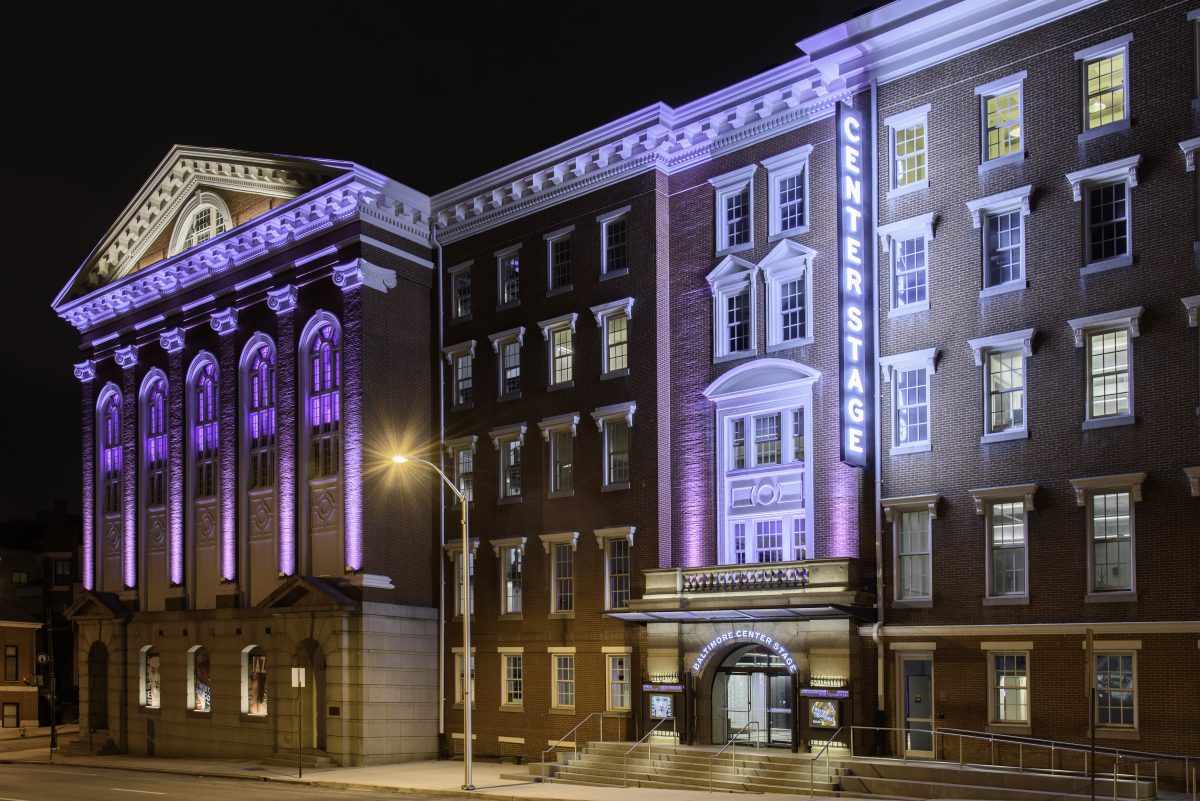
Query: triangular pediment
{"x": 242, "y": 184}
{"x": 94, "y": 605}
{"x": 307, "y": 593}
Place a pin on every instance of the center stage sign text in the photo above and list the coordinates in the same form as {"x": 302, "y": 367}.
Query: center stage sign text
{"x": 742, "y": 635}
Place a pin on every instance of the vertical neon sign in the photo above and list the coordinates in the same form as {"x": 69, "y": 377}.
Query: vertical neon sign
{"x": 855, "y": 286}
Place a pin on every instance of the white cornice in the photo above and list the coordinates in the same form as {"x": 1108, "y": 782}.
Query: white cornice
{"x": 1128, "y": 318}
{"x": 1191, "y": 304}
{"x": 1024, "y": 492}
{"x": 1189, "y": 148}
{"x": 1022, "y": 339}
{"x": 1126, "y": 481}
{"x": 360, "y": 272}
{"x": 1125, "y": 169}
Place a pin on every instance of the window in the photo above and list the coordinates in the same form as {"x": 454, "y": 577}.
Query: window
{"x": 907, "y": 243}
{"x": 203, "y": 218}
{"x": 787, "y": 272}
{"x": 559, "y": 432}
{"x": 911, "y": 518}
{"x": 324, "y": 351}
{"x": 909, "y": 374}
{"x": 614, "y": 236}
{"x": 460, "y": 291}
{"x": 110, "y": 451}
{"x": 1001, "y": 108}
{"x": 735, "y": 209}
{"x": 734, "y": 287}
{"x": 512, "y": 677}
{"x": 1009, "y": 680}
{"x": 616, "y": 543}
{"x": 613, "y": 321}
{"x": 62, "y": 572}
{"x": 254, "y": 681}
{"x": 1105, "y": 86}
{"x": 258, "y": 362}
{"x": 563, "y": 689}
{"x": 1002, "y": 220}
{"x": 11, "y": 716}
{"x": 559, "y": 333}
{"x": 199, "y": 697}
{"x": 205, "y": 437}
{"x": 908, "y": 142}
{"x": 1109, "y": 367}
{"x": 561, "y": 550}
{"x": 1108, "y": 213}
{"x": 1116, "y": 689}
{"x": 787, "y": 177}
{"x": 154, "y": 439}
{"x": 509, "y": 441}
{"x": 455, "y": 550}
{"x": 461, "y": 359}
{"x": 1006, "y": 532}
{"x": 20, "y": 577}
{"x": 511, "y": 555}
{"x": 11, "y": 663}
{"x": 1004, "y": 404}
{"x": 558, "y": 259}
{"x": 459, "y": 678}
{"x": 508, "y": 276}
{"x": 462, "y": 466}
{"x": 1112, "y": 555}
{"x": 507, "y": 346}
{"x": 614, "y": 423}
{"x": 618, "y": 682}
{"x": 150, "y": 678}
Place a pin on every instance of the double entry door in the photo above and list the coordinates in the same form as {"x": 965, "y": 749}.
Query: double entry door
{"x": 762, "y": 699}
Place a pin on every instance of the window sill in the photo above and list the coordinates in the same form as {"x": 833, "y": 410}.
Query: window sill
{"x": 734, "y": 249}
{"x": 463, "y": 319}
{"x": 510, "y": 616}
{"x": 150, "y": 710}
{"x": 559, "y": 290}
{"x": 912, "y": 308}
{"x": 622, "y": 373}
{"x": 907, "y": 189}
{"x": 510, "y": 500}
{"x": 615, "y": 487}
{"x": 561, "y": 494}
{"x": 733, "y": 357}
{"x": 561, "y": 615}
{"x": 1116, "y": 734}
{"x": 560, "y": 710}
{"x": 1004, "y": 436}
{"x": 1104, "y": 130}
{"x": 901, "y": 450}
{"x": 1006, "y": 600}
{"x": 512, "y": 396}
{"x": 791, "y": 343}
{"x": 614, "y": 274}
{"x": 1108, "y": 264}
{"x": 462, "y": 407}
{"x": 913, "y": 603}
{"x": 1002, "y": 161}
{"x": 1116, "y": 597}
{"x": 803, "y": 229}
{"x": 1109, "y": 422}
{"x": 512, "y": 304}
{"x": 196, "y": 713}
{"x": 560, "y": 385}
{"x": 511, "y": 708}
{"x": 244, "y": 717}
{"x": 1009, "y": 728}
{"x": 1003, "y": 289}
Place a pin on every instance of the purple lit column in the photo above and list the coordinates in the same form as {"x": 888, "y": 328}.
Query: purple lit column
{"x": 224, "y": 322}
{"x": 350, "y": 278}
{"x": 283, "y": 302}
{"x": 85, "y": 371}
{"x": 172, "y": 343}
{"x": 127, "y": 358}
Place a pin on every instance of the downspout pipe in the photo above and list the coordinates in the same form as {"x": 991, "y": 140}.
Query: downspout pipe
{"x": 441, "y": 584}
{"x": 877, "y": 629}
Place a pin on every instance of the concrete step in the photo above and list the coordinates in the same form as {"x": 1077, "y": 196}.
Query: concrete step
{"x": 290, "y": 759}
{"x": 877, "y": 786}
{"x": 98, "y": 744}
{"x": 691, "y": 774}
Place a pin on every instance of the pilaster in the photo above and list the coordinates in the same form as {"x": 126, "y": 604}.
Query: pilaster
{"x": 283, "y": 302}
{"x": 127, "y": 358}
{"x": 85, "y": 371}
{"x": 352, "y": 428}
{"x": 172, "y": 342}
{"x": 224, "y": 322}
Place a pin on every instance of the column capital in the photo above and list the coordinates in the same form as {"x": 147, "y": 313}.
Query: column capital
{"x": 224, "y": 321}
{"x": 360, "y": 272}
{"x": 126, "y": 356}
{"x": 171, "y": 340}
{"x": 282, "y": 299}
{"x": 85, "y": 370}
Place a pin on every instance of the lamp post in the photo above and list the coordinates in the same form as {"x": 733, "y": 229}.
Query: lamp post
{"x": 469, "y": 689}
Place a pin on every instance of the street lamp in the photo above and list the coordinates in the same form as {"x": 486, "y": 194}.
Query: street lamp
{"x": 469, "y": 690}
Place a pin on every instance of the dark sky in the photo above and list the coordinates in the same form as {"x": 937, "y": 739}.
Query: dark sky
{"x": 429, "y": 102}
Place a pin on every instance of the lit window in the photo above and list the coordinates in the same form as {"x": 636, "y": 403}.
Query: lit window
{"x": 564, "y": 681}
{"x": 460, "y": 291}
{"x": 613, "y": 321}
{"x": 1112, "y": 555}
{"x": 914, "y": 556}
{"x": 512, "y": 691}
{"x": 1009, "y": 702}
{"x": 1106, "y": 191}
{"x": 204, "y": 428}
{"x": 619, "y": 682}
{"x": 206, "y": 218}
{"x": 559, "y": 432}
{"x": 907, "y": 243}
{"x": 1105, "y": 84}
{"x": 558, "y": 259}
{"x": 511, "y": 554}
{"x": 462, "y": 466}
{"x": 1108, "y": 339}
{"x": 908, "y": 141}
{"x": 110, "y": 451}
{"x": 20, "y": 577}
{"x": 199, "y": 679}
{"x": 1001, "y": 108}
{"x": 768, "y": 540}
{"x": 507, "y": 346}
{"x": 254, "y": 681}
{"x": 768, "y": 440}
{"x": 910, "y": 419}
{"x": 1006, "y": 532}
{"x": 787, "y": 273}
{"x": 615, "y": 543}
{"x": 735, "y": 209}
{"x": 737, "y": 438}
{"x": 1116, "y": 689}
{"x": 787, "y": 176}
{"x": 559, "y": 334}
{"x": 461, "y": 359}
{"x": 460, "y": 685}
{"x": 734, "y": 288}
{"x": 509, "y": 441}
{"x": 259, "y": 383}
{"x": 154, "y": 439}
{"x": 614, "y": 238}
{"x": 1003, "y": 359}
{"x": 508, "y": 276}
{"x": 324, "y": 351}
{"x": 563, "y": 582}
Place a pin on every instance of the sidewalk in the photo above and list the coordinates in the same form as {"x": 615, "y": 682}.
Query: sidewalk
{"x": 432, "y": 777}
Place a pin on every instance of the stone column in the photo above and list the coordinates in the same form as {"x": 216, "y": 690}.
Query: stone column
{"x": 351, "y": 279}
{"x": 172, "y": 342}
{"x": 283, "y": 302}
{"x": 224, "y": 322}
{"x": 85, "y": 371}
{"x": 126, "y": 357}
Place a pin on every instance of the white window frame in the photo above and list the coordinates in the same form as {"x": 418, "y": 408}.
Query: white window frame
{"x": 984, "y": 347}
{"x": 984, "y": 499}
{"x": 988, "y": 91}
{"x": 893, "y": 512}
{"x": 982, "y": 210}
{"x": 557, "y": 653}
{"x": 890, "y": 236}
{"x": 913, "y": 360}
{"x": 1083, "y": 328}
{"x": 457, "y": 650}
{"x": 896, "y": 122}
{"x": 1112, "y": 47}
{"x": 506, "y": 653}
{"x": 454, "y": 273}
{"x": 1128, "y": 648}
{"x": 1004, "y": 649}
{"x": 552, "y": 239}
{"x": 500, "y": 438}
{"x": 779, "y": 168}
{"x": 453, "y": 448}
{"x": 500, "y": 548}
{"x": 1085, "y": 490}
{"x": 550, "y": 426}
{"x": 728, "y": 185}
{"x": 1083, "y": 182}
{"x": 605, "y": 220}
{"x": 454, "y": 551}
{"x": 564, "y": 322}
{"x": 604, "y": 313}
{"x": 500, "y": 256}
{"x": 549, "y": 543}
{"x": 452, "y": 353}
{"x": 185, "y": 218}
{"x": 604, "y": 538}
{"x": 612, "y": 653}
{"x": 602, "y": 416}
{"x": 787, "y": 262}
{"x": 498, "y": 341}
{"x": 732, "y": 277}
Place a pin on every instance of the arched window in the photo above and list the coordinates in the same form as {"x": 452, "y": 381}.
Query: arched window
{"x": 150, "y": 678}
{"x": 324, "y": 400}
{"x": 260, "y": 413}
{"x": 154, "y": 438}
{"x": 110, "y": 451}
{"x": 203, "y": 382}
{"x": 199, "y": 687}
{"x": 254, "y": 681}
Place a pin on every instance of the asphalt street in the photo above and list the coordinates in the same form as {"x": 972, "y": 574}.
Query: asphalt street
{"x": 66, "y": 783}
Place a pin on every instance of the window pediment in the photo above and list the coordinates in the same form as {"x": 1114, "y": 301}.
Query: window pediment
{"x": 761, "y": 375}
{"x": 786, "y": 257}
{"x": 1024, "y": 492}
{"x": 1125, "y": 169}
{"x": 730, "y": 271}
{"x": 1126, "y": 318}
{"x": 1123, "y": 481}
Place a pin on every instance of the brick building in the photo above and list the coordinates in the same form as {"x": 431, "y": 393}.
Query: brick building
{"x": 699, "y": 499}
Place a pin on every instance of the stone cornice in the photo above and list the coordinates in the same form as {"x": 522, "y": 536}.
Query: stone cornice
{"x": 172, "y": 340}
{"x": 126, "y": 356}
{"x": 360, "y": 272}
{"x": 85, "y": 370}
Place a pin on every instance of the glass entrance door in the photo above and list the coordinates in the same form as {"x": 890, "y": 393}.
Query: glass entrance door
{"x": 754, "y": 697}
{"x": 917, "y": 702}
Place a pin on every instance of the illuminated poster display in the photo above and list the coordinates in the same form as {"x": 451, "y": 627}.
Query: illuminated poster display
{"x": 856, "y": 323}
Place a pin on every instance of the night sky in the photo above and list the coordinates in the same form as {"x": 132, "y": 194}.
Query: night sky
{"x": 429, "y": 102}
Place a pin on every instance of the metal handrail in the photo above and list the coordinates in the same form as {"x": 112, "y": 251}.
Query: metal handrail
{"x": 814, "y": 757}
{"x": 649, "y": 750}
{"x": 733, "y": 741}
{"x": 575, "y": 742}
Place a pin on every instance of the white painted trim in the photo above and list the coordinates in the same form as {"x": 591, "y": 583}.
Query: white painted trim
{"x": 904, "y": 119}
{"x": 511, "y": 740}
{"x": 558, "y": 422}
{"x": 1104, "y": 48}
{"x": 1000, "y": 84}
{"x": 1189, "y": 148}
{"x": 922, "y": 225}
{"x": 510, "y": 649}
{"x": 616, "y": 649}
{"x": 614, "y": 411}
{"x": 506, "y": 251}
{"x": 1116, "y": 645}
{"x": 1037, "y": 629}
{"x": 734, "y": 177}
{"x": 561, "y": 538}
{"x": 1024, "y": 492}
{"x": 1121, "y": 318}
{"x": 603, "y": 535}
{"x": 559, "y": 233}
{"x": 926, "y": 359}
{"x": 912, "y": 646}
{"x": 560, "y": 649}
{"x": 909, "y": 503}
{"x": 1121, "y": 169}
{"x": 1122, "y": 481}
{"x": 616, "y": 214}
{"x": 1006, "y": 645}
{"x": 1003, "y": 201}
{"x": 1022, "y": 339}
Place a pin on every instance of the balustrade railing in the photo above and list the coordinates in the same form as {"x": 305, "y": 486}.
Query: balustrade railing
{"x": 740, "y": 578}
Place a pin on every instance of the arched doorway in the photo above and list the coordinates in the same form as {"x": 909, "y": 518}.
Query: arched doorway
{"x": 752, "y": 698}
{"x": 310, "y": 657}
{"x": 98, "y": 687}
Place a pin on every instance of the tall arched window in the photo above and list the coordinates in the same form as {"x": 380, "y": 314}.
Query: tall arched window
{"x": 154, "y": 439}
{"x": 110, "y": 452}
{"x": 204, "y": 428}
{"x": 205, "y": 216}
{"x": 260, "y": 414}
{"x": 109, "y": 562}
{"x": 324, "y": 401}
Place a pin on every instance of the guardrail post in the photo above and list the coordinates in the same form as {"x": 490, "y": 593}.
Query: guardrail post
{"x": 1136, "y": 787}
{"x": 1020, "y": 757}
{"x": 960, "y": 752}
{"x": 1051, "y": 758}
{"x": 1116, "y": 762}
{"x": 992, "y": 750}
